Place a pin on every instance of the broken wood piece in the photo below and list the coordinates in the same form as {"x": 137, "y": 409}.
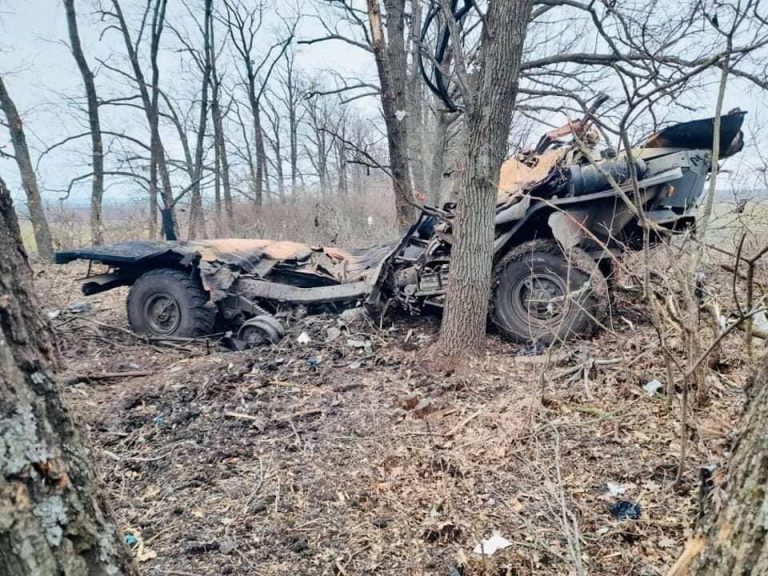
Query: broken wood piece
{"x": 463, "y": 423}
{"x": 107, "y": 376}
{"x": 241, "y": 416}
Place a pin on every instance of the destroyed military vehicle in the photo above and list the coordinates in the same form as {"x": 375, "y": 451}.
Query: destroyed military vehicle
{"x": 562, "y": 216}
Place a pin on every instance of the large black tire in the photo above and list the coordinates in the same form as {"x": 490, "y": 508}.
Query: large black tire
{"x": 170, "y": 302}
{"x": 541, "y": 295}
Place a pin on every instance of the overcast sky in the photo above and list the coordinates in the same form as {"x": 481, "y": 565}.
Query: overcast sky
{"x": 41, "y": 74}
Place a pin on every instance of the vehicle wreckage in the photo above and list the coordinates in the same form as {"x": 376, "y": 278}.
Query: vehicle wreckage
{"x": 564, "y": 211}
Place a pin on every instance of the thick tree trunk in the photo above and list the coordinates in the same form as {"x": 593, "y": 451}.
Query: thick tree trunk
{"x": 488, "y": 116}
{"x": 97, "y": 146}
{"x": 736, "y": 543}
{"x": 391, "y": 64}
{"x": 27, "y": 173}
{"x": 53, "y": 518}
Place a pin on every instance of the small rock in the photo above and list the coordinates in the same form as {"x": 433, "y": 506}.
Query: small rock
{"x": 79, "y": 307}
{"x": 424, "y": 407}
{"x": 351, "y": 315}
{"x": 332, "y": 334}
{"x": 409, "y": 402}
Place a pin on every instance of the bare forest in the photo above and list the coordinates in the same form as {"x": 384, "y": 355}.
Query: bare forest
{"x": 398, "y": 287}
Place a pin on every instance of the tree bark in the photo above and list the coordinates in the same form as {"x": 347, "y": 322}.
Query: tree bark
{"x": 735, "y": 543}
{"x": 489, "y": 105}
{"x": 219, "y": 140}
{"x": 416, "y": 125}
{"x": 197, "y": 216}
{"x": 292, "y": 103}
{"x": 150, "y": 103}
{"x": 28, "y": 177}
{"x": 437, "y": 163}
{"x": 391, "y": 64}
{"x": 97, "y": 146}
{"x": 53, "y": 518}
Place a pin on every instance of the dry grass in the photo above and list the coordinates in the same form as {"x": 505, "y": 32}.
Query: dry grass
{"x": 331, "y": 458}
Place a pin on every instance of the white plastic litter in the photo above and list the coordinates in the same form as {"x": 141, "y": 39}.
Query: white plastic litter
{"x": 653, "y": 387}
{"x": 303, "y": 338}
{"x": 490, "y": 546}
{"x": 615, "y": 489}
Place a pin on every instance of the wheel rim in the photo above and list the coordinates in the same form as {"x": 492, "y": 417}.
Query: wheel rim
{"x": 163, "y": 313}
{"x": 540, "y": 297}
{"x": 253, "y": 336}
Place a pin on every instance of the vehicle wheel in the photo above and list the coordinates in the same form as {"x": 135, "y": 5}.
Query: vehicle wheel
{"x": 541, "y": 295}
{"x": 169, "y": 302}
{"x": 261, "y": 330}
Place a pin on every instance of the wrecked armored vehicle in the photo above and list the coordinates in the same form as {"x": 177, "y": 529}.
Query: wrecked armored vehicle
{"x": 562, "y": 215}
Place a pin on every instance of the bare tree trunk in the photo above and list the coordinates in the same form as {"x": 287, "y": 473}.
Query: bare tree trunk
{"x": 28, "y": 178}
{"x": 261, "y": 149}
{"x": 217, "y": 193}
{"x": 196, "y": 216}
{"x": 273, "y": 115}
{"x": 150, "y": 103}
{"x": 391, "y": 63}
{"x": 220, "y": 142}
{"x": 488, "y": 115}
{"x": 53, "y": 517}
{"x": 341, "y": 159}
{"x": 736, "y": 543}
{"x": 415, "y": 102}
{"x": 293, "y": 120}
{"x": 220, "y": 148}
{"x": 437, "y": 164}
{"x": 97, "y": 147}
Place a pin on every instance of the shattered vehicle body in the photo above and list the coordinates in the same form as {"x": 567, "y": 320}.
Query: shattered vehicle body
{"x": 564, "y": 211}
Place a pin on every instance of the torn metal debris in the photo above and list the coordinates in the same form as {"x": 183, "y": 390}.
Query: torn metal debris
{"x": 563, "y": 212}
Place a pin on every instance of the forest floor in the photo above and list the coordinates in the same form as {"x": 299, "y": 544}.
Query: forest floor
{"x": 365, "y": 454}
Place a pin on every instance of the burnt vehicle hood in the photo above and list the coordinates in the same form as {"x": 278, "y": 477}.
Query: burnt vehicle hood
{"x": 700, "y": 134}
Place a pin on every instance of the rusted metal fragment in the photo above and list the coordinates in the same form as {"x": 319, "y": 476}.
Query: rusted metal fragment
{"x": 517, "y": 176}
{"x": 246, "y": 253}
{"x": 272, "y": 291}
{"x": 221, "y": 262}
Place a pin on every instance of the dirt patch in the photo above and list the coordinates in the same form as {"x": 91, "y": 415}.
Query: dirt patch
{"x": 344, "y": 456}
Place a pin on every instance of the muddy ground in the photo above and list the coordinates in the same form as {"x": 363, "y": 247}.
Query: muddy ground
{"x": 368, "y": 455}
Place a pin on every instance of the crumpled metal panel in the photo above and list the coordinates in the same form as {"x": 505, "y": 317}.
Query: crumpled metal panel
{"x": 222, "y": 261}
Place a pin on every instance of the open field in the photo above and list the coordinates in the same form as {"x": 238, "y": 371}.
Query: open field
{"x": 368, "y": 454}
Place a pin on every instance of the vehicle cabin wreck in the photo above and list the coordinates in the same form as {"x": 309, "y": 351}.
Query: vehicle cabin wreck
{"x": 564, "y": 210}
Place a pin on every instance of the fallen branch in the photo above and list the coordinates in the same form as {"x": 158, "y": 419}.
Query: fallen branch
{"x": 107, "y": 376}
